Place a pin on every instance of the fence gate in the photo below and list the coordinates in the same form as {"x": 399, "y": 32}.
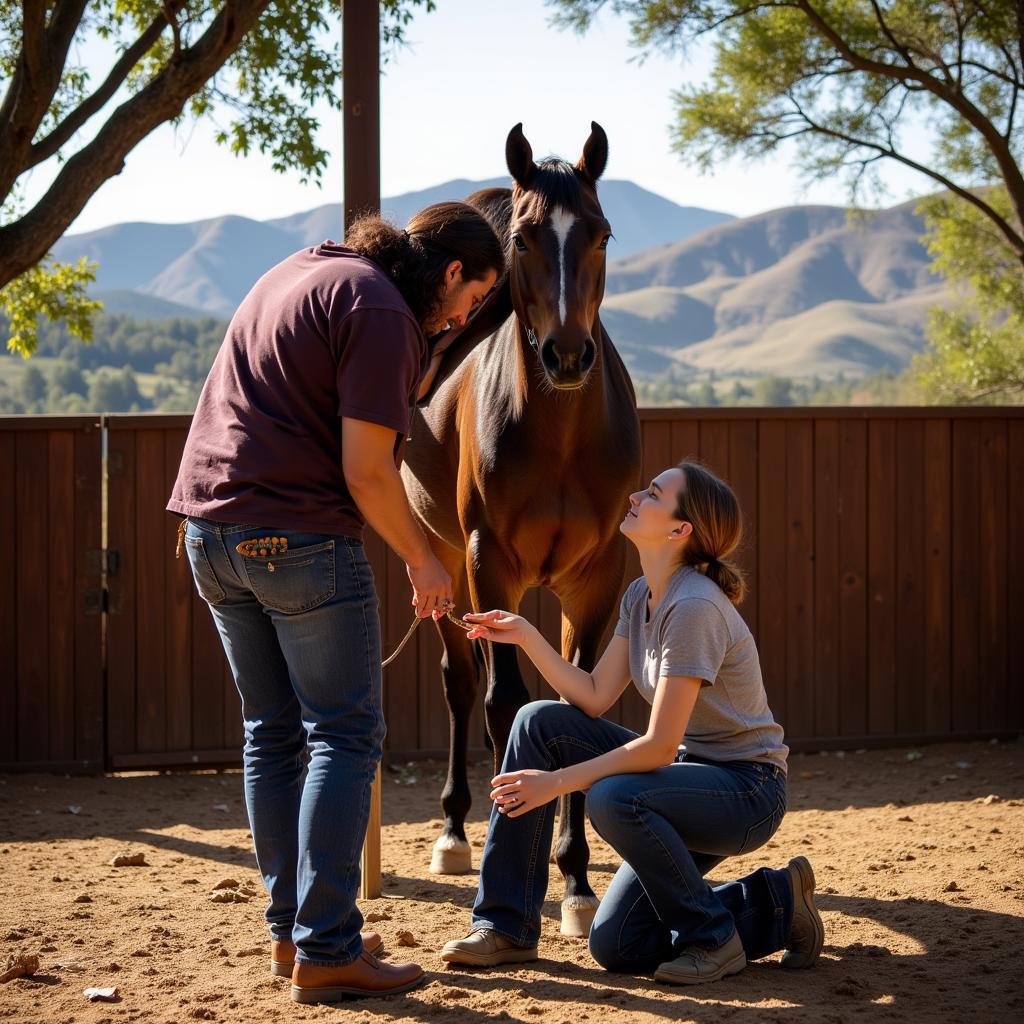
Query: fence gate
{"x": 170, "y": 699}
{"x": 51, "y": 679}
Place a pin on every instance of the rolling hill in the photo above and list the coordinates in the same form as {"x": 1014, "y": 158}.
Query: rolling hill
{"x": 795, "y": 292}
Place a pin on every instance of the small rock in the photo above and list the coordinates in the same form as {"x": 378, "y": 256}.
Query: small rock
{"x": 377, "y": 915}
{"x": 142, "y": 953}
{"x": 228, "y": 896}
{"x": 904, "y": 817}
{"x": 407, "y": 939}
{"x": 952, "y": 887}
{"x": 84, "y": 898}
{"x": 74, "y": 809}
{"x": 914, "y": 755}
{"x": 128, "y": 860}
{"x": 221, "y": 807}
{"x": 251, "y": 951}
{"x": 20, "y": 965}
{"x": 992, "y": 799}
{"x": 226, "y": 883}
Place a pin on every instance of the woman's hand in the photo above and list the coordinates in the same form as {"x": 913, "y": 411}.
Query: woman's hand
{"x": 498, "y": 626}
{"x": 520, "y": 792}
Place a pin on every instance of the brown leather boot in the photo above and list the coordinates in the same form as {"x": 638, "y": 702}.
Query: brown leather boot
{"x": 365, "y": 976}
{"x": 282, "y": 953}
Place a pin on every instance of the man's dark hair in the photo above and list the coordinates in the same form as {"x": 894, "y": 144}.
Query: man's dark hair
{"x": 416, "y": 258}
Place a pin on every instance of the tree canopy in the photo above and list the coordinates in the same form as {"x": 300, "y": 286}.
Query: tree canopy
{"x": 849, "y": 84}
{"x": 263, "y": 64}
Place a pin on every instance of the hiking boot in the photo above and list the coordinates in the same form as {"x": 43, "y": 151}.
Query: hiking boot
{"x": 365, "y": 976}
{"x": 806, "y": 933}
{"x": 486, "y": 948}
{"x": 695, "y": 965}
{"x": 282, "y": 953}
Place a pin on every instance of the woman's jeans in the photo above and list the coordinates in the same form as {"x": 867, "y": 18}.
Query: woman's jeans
{"x": 671, "y": 826}
{"x": 302, "y": 635}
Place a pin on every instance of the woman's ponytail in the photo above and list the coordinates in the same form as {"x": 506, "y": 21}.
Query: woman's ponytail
{"x": 710, "y": 507}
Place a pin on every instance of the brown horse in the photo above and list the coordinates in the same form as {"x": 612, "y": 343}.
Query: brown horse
{"x": 520, "y": 463}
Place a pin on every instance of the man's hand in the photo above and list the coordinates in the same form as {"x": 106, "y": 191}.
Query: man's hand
{"x": 431, "y": 587}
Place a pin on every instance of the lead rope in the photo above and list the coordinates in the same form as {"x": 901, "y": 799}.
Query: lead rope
{"x": 461, "y": 623}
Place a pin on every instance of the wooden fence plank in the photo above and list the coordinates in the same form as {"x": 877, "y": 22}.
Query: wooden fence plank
{"x": 1015, "y": 572}
{"x": 992, "y": 531}
{"x": 88, "y": 662}
{"x": 150, "y": 570}
{"x": 772, "y": 487}
{"x": 966, "y": 596}
{"x": 826, "y": 621}
{"x": 881, "y": 520}
{"x": 853, "y": 571}
{"x": 60, "y": 624}
{"x": 121, "y": 668}
{"x": 800, "y": 699}
{"x": 714, "y": 447}
{"x": 9, "y": 527}
{"x": 32, "y": 561}
{"x": 937, "y": 526}
{"x": 742, "y": 477}
{"x": 910, "y": 578}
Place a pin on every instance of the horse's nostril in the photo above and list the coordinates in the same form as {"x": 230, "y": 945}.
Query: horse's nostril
{"x": 589, "y": 354}
{"x": 549, "y": 356}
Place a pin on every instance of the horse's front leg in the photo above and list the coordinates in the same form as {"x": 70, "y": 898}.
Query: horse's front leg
{"x": 452, "y": 854}
{"x": 494, "y": 584}
{"x": 586, "y": 609}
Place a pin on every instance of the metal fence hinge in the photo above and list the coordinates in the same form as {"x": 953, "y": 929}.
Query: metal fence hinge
{"x": 103, "y": 560}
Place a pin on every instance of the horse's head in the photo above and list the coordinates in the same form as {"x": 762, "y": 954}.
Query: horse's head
{"x": 557, "y": 257}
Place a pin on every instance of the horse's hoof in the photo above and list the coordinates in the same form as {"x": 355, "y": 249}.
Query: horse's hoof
{"x": 578, "y": 915}
{"x": 451, "y": 856}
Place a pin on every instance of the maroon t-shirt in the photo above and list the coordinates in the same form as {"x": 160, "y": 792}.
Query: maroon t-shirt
{"x": 322, "y": 335}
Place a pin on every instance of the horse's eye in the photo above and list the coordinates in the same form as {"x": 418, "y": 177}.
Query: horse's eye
{"x": 604, "y": 242}
{"x": 517, "y": 241}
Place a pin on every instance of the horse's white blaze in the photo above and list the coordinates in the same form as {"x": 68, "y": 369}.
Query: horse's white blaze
{"x": 561, "y": 223}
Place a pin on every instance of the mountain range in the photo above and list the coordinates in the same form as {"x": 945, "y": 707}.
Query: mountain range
{"x": 797, "y": 291}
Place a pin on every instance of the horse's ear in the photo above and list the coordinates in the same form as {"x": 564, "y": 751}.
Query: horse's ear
{"x": 595, "y": 153}
{"x": 519, "y": 156}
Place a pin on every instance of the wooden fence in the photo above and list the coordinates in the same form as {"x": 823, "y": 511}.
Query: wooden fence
{"x": 51, "y": 678}
{"x": 881, "y": 545}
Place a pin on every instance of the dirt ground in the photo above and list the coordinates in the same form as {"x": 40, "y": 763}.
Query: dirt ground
{"x": 919, "y": 856}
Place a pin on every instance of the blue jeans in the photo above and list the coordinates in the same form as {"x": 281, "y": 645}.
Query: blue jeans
{"x": 302, "y": 635}
{"x": 671, "y": 826}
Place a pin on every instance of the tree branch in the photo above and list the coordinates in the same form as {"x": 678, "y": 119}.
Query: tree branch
{"x": 1007, "y": 229}
{"x": 49, "y": 146}
{"x": 24, "y": 242}
{"x": 902, "y": 50}
{"x": 36, "y": 81}
{"x": 953, "y": 97}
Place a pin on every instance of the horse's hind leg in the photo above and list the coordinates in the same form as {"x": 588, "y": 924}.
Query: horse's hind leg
{"x": 452, "y": 854}
{"x": 585, "y": 613}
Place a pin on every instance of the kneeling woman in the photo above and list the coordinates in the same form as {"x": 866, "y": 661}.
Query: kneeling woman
{"x": 672, "y": 814}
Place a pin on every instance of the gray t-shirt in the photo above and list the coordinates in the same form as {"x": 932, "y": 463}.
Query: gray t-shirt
{"x": 696, "y": 631}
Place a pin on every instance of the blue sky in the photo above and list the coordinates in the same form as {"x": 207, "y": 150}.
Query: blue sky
{"x": 472, "y": 69}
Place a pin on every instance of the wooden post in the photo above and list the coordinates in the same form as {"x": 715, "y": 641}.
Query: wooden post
{"x": 360, "y": 68}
